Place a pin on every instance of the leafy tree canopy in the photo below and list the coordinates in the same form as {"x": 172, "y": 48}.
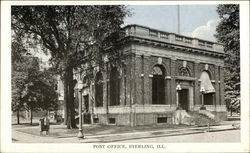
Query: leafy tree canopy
{"x": 73, "y": 35}
{"x": 69, "y": 32}
{"x": 228, "y": 33}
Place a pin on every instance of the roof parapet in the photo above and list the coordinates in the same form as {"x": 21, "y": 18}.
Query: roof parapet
{"x": 172, "y": 38}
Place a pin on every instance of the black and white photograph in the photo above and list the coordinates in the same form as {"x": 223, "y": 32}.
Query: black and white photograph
{"x": 124, "y": 76}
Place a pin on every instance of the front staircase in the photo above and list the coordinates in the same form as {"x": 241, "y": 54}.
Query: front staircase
{"x": 199, "y": 118}
{"x": 202, "y": 119}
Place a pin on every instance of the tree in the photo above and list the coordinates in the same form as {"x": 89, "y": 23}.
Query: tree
{"x": 40, "y": 93}
{"x": 32, "y": 89}
{"x": 49, "y": 96}
{"x": 18, "y": 86}
{"x": 228, "y": 33}
{"x": 73, "y": 35}
{"x": 18, "y": 76}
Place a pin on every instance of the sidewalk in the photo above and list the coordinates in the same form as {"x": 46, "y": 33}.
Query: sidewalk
{"x": 153, "y": 134}
{"x": 109, "y": 134}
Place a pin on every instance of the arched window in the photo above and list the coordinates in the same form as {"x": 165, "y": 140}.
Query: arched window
{"x": 99, "y": 90}
{"x": 158, "y": 85}
{"x": 183, "y": 71}
{"x": 114, "y": 87}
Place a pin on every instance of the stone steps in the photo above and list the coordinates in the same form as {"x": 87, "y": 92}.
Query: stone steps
{"x": 200, "y": 118}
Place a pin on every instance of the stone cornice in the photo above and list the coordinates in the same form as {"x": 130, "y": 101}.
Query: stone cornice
{"x": 177, "y": 47}
{"x": 179, "y": 43}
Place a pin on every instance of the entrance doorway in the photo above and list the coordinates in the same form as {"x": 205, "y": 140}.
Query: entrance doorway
{"x": 184, "y": 99}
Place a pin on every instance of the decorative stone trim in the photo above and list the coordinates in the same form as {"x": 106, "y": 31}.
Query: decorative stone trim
{"x": 159, "y": 60}
{"x": 185, "y": 78}
{"x": 204, "y": 51}
{"x": 168, "y": 77}
{"x": 142, "y": 75}
{"x": 150, "y": 75}
{"x": 206, "y": 66}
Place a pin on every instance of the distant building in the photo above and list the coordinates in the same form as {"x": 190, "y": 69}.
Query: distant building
{"x": 161, "y": 72}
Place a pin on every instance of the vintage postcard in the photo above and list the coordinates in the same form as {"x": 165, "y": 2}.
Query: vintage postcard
{"x": 124, "y": 76}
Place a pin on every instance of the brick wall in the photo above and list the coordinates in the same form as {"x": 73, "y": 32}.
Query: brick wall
{"x": 136, "y": 83}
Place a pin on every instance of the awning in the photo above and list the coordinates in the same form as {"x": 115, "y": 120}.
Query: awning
{"x": 206, "y": 83}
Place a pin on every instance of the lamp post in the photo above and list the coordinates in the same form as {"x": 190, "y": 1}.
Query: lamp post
{"x": 80, "y": 132}
{"x": 106, "y": 60}
{"x": 202, "y": 90}
{"x": 178, "y": 88}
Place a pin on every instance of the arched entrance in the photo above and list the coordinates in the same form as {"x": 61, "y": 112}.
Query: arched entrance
{"x": 184, "y": 88}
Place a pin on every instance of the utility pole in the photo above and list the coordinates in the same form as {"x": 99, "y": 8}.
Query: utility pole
{"x": 178, "y": 18}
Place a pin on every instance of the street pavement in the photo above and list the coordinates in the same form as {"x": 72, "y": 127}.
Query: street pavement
{"x": 222, "y": 133}
{"x": 211, "y": 137}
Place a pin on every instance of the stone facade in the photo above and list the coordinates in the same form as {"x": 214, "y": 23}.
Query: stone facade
{"x": 174, "y": 60}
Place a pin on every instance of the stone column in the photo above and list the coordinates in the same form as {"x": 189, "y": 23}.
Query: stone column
{"x": 142, "y": 79}
{"x": 173, "y": 84}
{"x": 147, "y": 80}
{"x": 122, "y": 89}
{"x": 196, "y": 84}
{"x": 138, "y": 80}
{"x": 132, "y": 80}
{"x": 168, "y": 90}
{"x": 128, "y": 83}
{"x": 133, "y": 91}
{"x": 222, "y": 88}
{"x": 217, "y": 88}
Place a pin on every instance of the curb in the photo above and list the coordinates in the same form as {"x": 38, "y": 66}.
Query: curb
{"x": 88, "y": 139}
{"x": 150, "y": 132}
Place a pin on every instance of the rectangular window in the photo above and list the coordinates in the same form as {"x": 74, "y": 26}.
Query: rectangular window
{"x": 111, "y": 120}
{"x": 96, "y": 120}
{"x": 162, "y": 120}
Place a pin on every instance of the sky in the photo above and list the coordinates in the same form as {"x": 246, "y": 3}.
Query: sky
{"x": 197, "y": 21}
